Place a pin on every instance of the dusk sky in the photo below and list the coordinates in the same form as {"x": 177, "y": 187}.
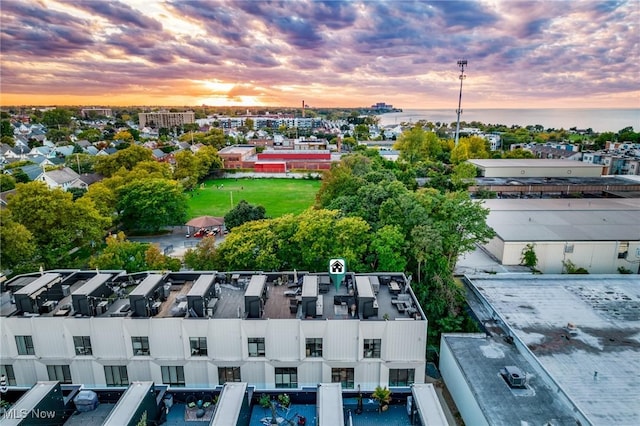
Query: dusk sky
{"x": 521, "y": 54}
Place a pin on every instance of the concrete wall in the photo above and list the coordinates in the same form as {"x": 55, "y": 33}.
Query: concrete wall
{"x": 597, "y": 257}
{"x": 459, "y": 388}
{"x": 403, "y": 346}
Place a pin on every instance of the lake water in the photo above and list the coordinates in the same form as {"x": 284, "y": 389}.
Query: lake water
{"x": 600, "y": 120}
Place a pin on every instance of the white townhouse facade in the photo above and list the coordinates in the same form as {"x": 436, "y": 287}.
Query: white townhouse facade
{"x": 203, "y": 329}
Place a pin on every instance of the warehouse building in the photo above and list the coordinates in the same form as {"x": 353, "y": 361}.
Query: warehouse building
{"x": 599, "y": 235}
{"x": 555, "y": 349}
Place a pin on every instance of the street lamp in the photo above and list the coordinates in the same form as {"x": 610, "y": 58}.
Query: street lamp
{"x": 461, "y": 63}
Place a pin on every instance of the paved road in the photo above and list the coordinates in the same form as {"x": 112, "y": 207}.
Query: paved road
{"x": 174, "y": 244}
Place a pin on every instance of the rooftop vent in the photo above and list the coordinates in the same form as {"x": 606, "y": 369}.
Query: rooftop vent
{"x": 514, "y": 377}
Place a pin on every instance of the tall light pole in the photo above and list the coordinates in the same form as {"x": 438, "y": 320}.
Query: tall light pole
{"x": 461, "y": 63}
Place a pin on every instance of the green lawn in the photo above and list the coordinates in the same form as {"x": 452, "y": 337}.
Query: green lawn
{"x": 278, "y": 196}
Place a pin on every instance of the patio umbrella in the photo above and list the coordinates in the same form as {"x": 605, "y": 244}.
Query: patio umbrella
{"x": 205, "y": 222}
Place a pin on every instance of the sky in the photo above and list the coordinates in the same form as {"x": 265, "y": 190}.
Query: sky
{"x": 520, "y": 54}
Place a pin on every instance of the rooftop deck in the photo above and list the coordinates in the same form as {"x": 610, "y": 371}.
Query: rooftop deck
{"x": 384, "y": 296}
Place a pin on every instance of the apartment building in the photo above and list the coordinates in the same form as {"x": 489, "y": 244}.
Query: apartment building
{"x": 165, "y": 119}
{"x": 273, "y": 330}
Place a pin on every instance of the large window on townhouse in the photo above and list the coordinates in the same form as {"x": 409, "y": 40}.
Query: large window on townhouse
{"x": 173, "y": 375}
{"x": 401, "y": 376}
{"x": 314, "y": 347}
{"x": 344, "y": 376}
{"x": 116, "y": 375}
{"x": 60, "y": 373}
{"x": 198, "y": 346}
{"x": 287, "y": 377}
{"x": 372, "y": 348}
{"x": 228, "y": 374}
{"x": 140, "y": 345}
{"x": 256, "y": 346}
{"x": 25, "y": 345}
{"x": 82, "y": 345}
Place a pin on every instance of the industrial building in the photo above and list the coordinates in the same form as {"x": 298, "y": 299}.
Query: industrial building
{"x": 599, "y": 235}
{"x": 555, "y": 349}
{"x": 548, "y": 168}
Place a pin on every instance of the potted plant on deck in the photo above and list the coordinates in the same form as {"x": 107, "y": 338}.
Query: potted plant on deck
{"x": 383, "y": 396}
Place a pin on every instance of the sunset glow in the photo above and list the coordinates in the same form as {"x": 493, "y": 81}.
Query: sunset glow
{"x": 534, "y": 54}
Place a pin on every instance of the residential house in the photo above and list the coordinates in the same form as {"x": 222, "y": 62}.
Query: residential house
{"x": 64, "y": 179}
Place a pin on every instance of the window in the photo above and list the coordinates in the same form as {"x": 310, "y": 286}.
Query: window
{"x": 83, "y": 345}
{"x": 228, "y": 374}
{"x": 7, "y": 372}
{"x": 60, "y": 373}
{"x": 256, "y": 346}
{"x": 198, "y": 346}
{"x": 401, "y": 376}
{"x": 287, "y": 377}
{"x": 623, "y": 249}
{"x": 173, "y": 375}
{"x": 314, "y": 347}
{"x": 116, "y": 375}
{"x": 372, "y": 348}
{"x": 568, "y": 248}
{"x": 344, "y": 376}
{"x": 140, "y": 345}
{"x": 25, "y": 345}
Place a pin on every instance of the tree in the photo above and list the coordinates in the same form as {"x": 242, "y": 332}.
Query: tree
{"x": 8, "y": 140}
{"x": 7, "y": 182}
{"x": 132, "y": 257}
{"x": 56, "y": 117}
{"x": 417, "y": 145}
{"x": 361, "y": 132}
{"x": 243, "y": 212}
{"x": 127, "y": 158}
{"x": 518, "y": 153}
{"x": 80, "y": 163}
{"x": 92, "y": 135}
{"x": 151, "y": 204}
{"x": 57, "y": 135}
{"x": 470, "y": 147}
{"x": 388, "y": 246}
{"x": 124, "y": 135}
{"x": 103, "y": 197}
{"x": 18, "y": 244}
{"x": 6, "y": 129}
{"x": 203, "y": 256}
{"x": 57, "y": 223}
{"x": 383, "y": 396}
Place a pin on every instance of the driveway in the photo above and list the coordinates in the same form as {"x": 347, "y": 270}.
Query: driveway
{"x": 174, "y": 244}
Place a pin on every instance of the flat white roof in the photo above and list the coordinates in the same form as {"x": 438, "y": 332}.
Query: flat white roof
{"x": 565, "y": 219}
{"x": 428, "y": 405}
{"x": 598, "y": 364}
{"x": 128, "y": 404}
{"x": 229, "y": 404}
{"x": 330, "y": 411}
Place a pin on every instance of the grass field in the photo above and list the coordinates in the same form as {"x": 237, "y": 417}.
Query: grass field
{"x": 278, "y": 196}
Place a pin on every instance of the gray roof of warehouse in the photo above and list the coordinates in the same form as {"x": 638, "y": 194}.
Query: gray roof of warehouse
{"x": 606, "y": 311}
{"x": 565, "y": 219}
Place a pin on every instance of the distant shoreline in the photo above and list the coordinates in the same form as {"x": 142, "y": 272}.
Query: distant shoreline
{"x": 598, "y": 119}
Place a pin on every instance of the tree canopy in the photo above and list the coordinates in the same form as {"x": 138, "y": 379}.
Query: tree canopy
{"x": 56, "y": 222}
{"x": 151, "y": 204}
